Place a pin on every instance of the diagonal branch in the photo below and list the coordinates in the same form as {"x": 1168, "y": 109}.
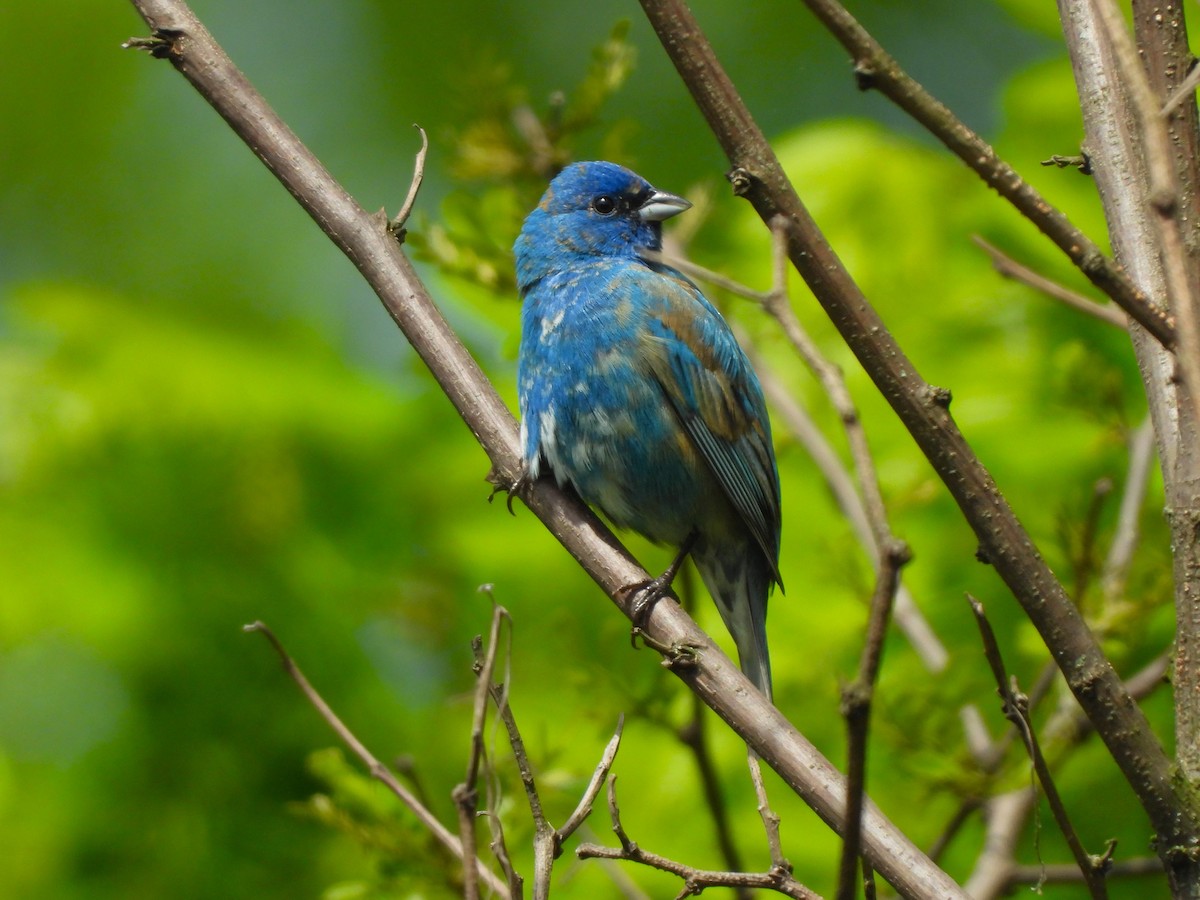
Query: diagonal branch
{"x": 180, "y": 38}
{"x": 924, "y": 409}
{"x": 1016, "y": 710}
{"x": 777, "y": 878}
{"x": 875, "y": 68}
{"x": 1010, "y": 268}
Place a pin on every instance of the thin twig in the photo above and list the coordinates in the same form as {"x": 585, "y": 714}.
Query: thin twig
{"x": 1068, "y": 874}
{"x": 1185, "y": 91}
{"x": 994, "y": 872}
{"x": 856, "y": 708}
{"x": 1006, "y": 813}
{"x": 694, "y": 735}
{"x": 499, "y": 848}
{"x": 543, "y": 832}
{"x": 694, "y": 880}
{"x": 876, "y": 69}
{"x": 1127, "y": 531}
{"x": 599, "y": 776}
{"x": 377, "y": 769}
{"x": 548, "y": 840}
{"x": 909, "y": 618}
{"x": 1010, "y": 268}
{"x": 466, "y": 794}
{"x": 830, "y": 376}
{"x": 770, "y": 818}
{"x": 1016, "y": 710}
{"x": 397, "y": 225}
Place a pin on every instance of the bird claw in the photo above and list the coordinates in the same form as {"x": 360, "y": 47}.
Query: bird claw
{"x": 516, "y": 488}
{"x": 644, "y": 596}
{"x": 675, "y": 656}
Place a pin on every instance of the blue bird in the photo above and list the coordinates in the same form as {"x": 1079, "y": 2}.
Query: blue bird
{"x": 634, "y": 391}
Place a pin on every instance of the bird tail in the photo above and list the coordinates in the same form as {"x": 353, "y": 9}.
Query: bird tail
{"x": 739, "y": 584}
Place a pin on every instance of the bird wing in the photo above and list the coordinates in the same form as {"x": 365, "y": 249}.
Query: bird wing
{"x": 708, "y": 381}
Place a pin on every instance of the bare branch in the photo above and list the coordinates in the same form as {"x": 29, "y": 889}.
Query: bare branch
{"x": 1162, "y": 41}
{"x": 377, "y": 769}
{"x": 695, "y": 880}
{"x": 1162, "y": 194}
{"x": 876, "y": 69}
{"x": 1016, "y": 710}
{"x": 1123, "y": 185}
{"x": 1068, "y": 874}
{"x": 1185, "y": 91}
{"x": 758, "y": 176}
{"x": 396, "y": 225}
{"x": 584, "y": 809}
{"x": 466, "y": 794}
{"x": 544, "y": 846}
{"x": 1125, "y": 536}
{"x": 181, "y": 39}
{"x": 856, "y": 707}
{"x": 769, "y": 818}
{"x": 1010, "y": 268}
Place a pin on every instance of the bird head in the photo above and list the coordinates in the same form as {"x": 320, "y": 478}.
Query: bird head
{"x": 593, "y": 209}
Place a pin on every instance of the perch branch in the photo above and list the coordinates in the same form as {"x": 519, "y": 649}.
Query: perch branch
{"x": 758, "y": 176}
{"x": 182, "y": 40}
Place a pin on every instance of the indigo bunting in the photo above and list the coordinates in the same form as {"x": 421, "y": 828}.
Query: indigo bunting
{"x": 634, "y": 391}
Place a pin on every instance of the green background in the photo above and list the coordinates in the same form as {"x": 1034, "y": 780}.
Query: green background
{"x": 207, "y": 419}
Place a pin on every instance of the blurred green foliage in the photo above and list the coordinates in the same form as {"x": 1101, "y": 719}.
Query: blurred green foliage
{"x": 206, "y": 419}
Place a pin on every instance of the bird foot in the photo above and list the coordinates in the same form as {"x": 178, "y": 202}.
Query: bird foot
{"x": 644, "y": 596}
{"x": 515, "y": 488}
{"x": 675, "y": 656}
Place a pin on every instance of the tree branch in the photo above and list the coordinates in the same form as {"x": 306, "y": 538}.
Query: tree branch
{"x": 1161, "y": 32}
{"x": 694, "y": 880}
{"x": 1115, "y": 145}
{"x": 1010, "y": 268}
{"x": 875, "y": 68}
{"x": 1016, "y": 710}
{"x": 856, "y": 707}
{"x": 1162, "y": 193}
{"x": 180, "y": 38}
{"x": 758, "y": 176}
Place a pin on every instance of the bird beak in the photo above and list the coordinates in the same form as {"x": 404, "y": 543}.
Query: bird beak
{"x": 661, "y": 205}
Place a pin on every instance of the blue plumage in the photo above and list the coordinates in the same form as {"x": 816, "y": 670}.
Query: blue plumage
{"x": 634, "y": 390}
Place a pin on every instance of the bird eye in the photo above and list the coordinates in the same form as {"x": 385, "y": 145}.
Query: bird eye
{"x": 605, "y": 205}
